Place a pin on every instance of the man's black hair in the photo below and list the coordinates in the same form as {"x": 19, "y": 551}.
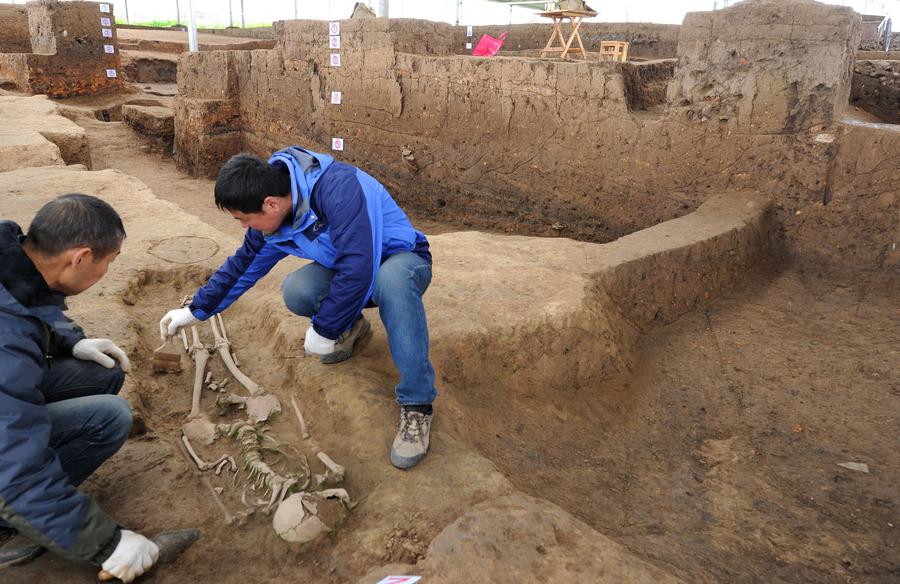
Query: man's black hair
{"x": 246, "y": 180}
{"x": 76, "y": 220}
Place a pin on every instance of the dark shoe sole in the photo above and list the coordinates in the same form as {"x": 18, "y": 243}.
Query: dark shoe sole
{"x": 19, "y": 556}
{"x": 7, "y": 533}
{"x": 338, "y": 356}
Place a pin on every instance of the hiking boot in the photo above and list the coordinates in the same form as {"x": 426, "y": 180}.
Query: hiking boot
{"x": 343, "y": 346}
{"x": 20, "y": 555}
{"x": 411, "y": 442}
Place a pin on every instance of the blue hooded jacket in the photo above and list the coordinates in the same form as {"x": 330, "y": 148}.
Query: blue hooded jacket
{"x": 36, "y": 495}
{"x": 342, "y": 218}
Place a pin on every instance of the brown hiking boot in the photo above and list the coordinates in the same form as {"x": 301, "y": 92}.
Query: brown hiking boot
{"x": 343, "y": 346}
{"x": 411, "y": 442}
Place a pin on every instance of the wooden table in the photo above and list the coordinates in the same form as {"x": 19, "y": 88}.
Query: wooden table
{"x": 565, "y": 46}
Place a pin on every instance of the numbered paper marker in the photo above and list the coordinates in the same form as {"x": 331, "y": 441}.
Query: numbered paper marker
{"x": 109, "y": 49}
{"x": 469, "y": 46}
{"x": 400, "y": 580}
{"x": 335, "y": 59}
{"x": 111, "y": 73}
{"x": 334, "y": 28}
{"x": 107, "y": 33}
{"x": 334, "y": 42}
{"x": 104, "y": 8}
{"x": 336, "y": 97}
{"x": 469, "y": 30}
{"x": 337, "y": 143}
{"x": 105, "y": 22}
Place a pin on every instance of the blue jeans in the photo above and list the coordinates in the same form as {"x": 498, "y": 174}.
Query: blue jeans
{"x": 88, "y": 421}
{"x": 399, "y": 286}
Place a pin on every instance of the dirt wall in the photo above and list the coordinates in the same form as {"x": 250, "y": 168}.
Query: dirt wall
{"x": 549, "y": 147}
{"x": 14, "y": 34}
{"x": 67, "y": 55}
{"x": 646, "y": 40}
{"x": 876, "y": 89}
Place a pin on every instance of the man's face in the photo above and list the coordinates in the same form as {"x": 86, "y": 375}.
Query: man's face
{"x": 83, "y": 270}
{"x": 273, "y": 213}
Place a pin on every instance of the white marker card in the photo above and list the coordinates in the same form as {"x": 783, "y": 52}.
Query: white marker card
{"x": 399, "y": 580}
{"x": 336, "y": 97}
{"x": 105, "y": 22}
{"x": 109, "y": 49}
{"x": 107, "y": 33}
{"x": 469, "y": 46}
{"x": 335, "y": 59}
{"x": 111, "y": 73}
{"x": 104, "y": 8}
{"x": 469, "y": 30}
{"x": 337, "y": 143}
{"x": 334, "y": 28}
{"x": 334, "y": 42}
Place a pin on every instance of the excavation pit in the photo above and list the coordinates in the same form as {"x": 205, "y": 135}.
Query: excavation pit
{"x": 671, "y": 326}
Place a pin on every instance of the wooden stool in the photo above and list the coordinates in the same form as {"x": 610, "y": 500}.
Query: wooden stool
{"x": 565, "y": 46}
{"x": 613, "y": 51}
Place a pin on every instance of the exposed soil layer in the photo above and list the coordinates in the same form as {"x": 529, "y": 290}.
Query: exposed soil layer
{"x": 714, "y": 461}
{"x": 557, "y": 148}
{"x": 719, "y": 457}
{"x": 646, "y": 83}
{"x": 149, "y": 66}
{"x": 876, "y": 89}
{"x": 66, "y": 53}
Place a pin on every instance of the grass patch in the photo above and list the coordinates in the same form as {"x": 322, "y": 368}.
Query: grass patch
{"x": 171, "y": 23}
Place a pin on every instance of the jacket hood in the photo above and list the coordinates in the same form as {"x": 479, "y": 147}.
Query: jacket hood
{"x": 21, "y": 284}
{"x": 305, "y": 167}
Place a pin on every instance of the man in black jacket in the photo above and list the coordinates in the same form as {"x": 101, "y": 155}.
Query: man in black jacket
{"x": 60, "y": 417}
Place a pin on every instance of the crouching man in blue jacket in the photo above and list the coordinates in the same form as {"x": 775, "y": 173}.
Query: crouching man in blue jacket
{"x": 60, "y": 417}
{"x": 365, "y": 252}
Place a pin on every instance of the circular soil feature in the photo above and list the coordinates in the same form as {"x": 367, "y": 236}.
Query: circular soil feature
{"x": 184, "y": 249}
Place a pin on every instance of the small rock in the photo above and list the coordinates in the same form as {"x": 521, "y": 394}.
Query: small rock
{"x": 857, "y": 466}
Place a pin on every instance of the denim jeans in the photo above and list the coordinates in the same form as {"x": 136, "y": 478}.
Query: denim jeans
{"x": 88, "y": 421}
{"x": 399, "y": 286}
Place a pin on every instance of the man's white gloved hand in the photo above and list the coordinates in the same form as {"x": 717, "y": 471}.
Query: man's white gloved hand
{"x": 101, "y": 351}
{"x": 316, "y": 344}
{"x": 174, "y": 320}
{"x": 134, "y": 555}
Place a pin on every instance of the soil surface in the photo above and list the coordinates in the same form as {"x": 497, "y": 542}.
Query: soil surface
{"x": 716, "y": 460}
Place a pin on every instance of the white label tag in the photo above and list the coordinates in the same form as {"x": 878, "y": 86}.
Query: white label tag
{"x": 109, "y": 49}
{"x": 107, "y": 33}
{"x": 336, "y": 97}
{"x": 337, "y": 143}
{"x": 105, "y": 22}
{"x": 469, "y": 45}
{"x": 400, "y": 580}
{"x": 111, "y": 73}
{"x": 334, "y": 42}
{"x": 335, "y": 59}
{"x": 469, "y": 30}
{"x": 104, "y": 8}
{"x": 334, "y": 28}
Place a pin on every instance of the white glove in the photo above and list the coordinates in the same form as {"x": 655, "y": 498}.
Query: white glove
{"x": 316, "y": 344}
{"x": 174, "y": 320}
{"x": 99, "y": 351}
{"x": 134, "y": 555}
